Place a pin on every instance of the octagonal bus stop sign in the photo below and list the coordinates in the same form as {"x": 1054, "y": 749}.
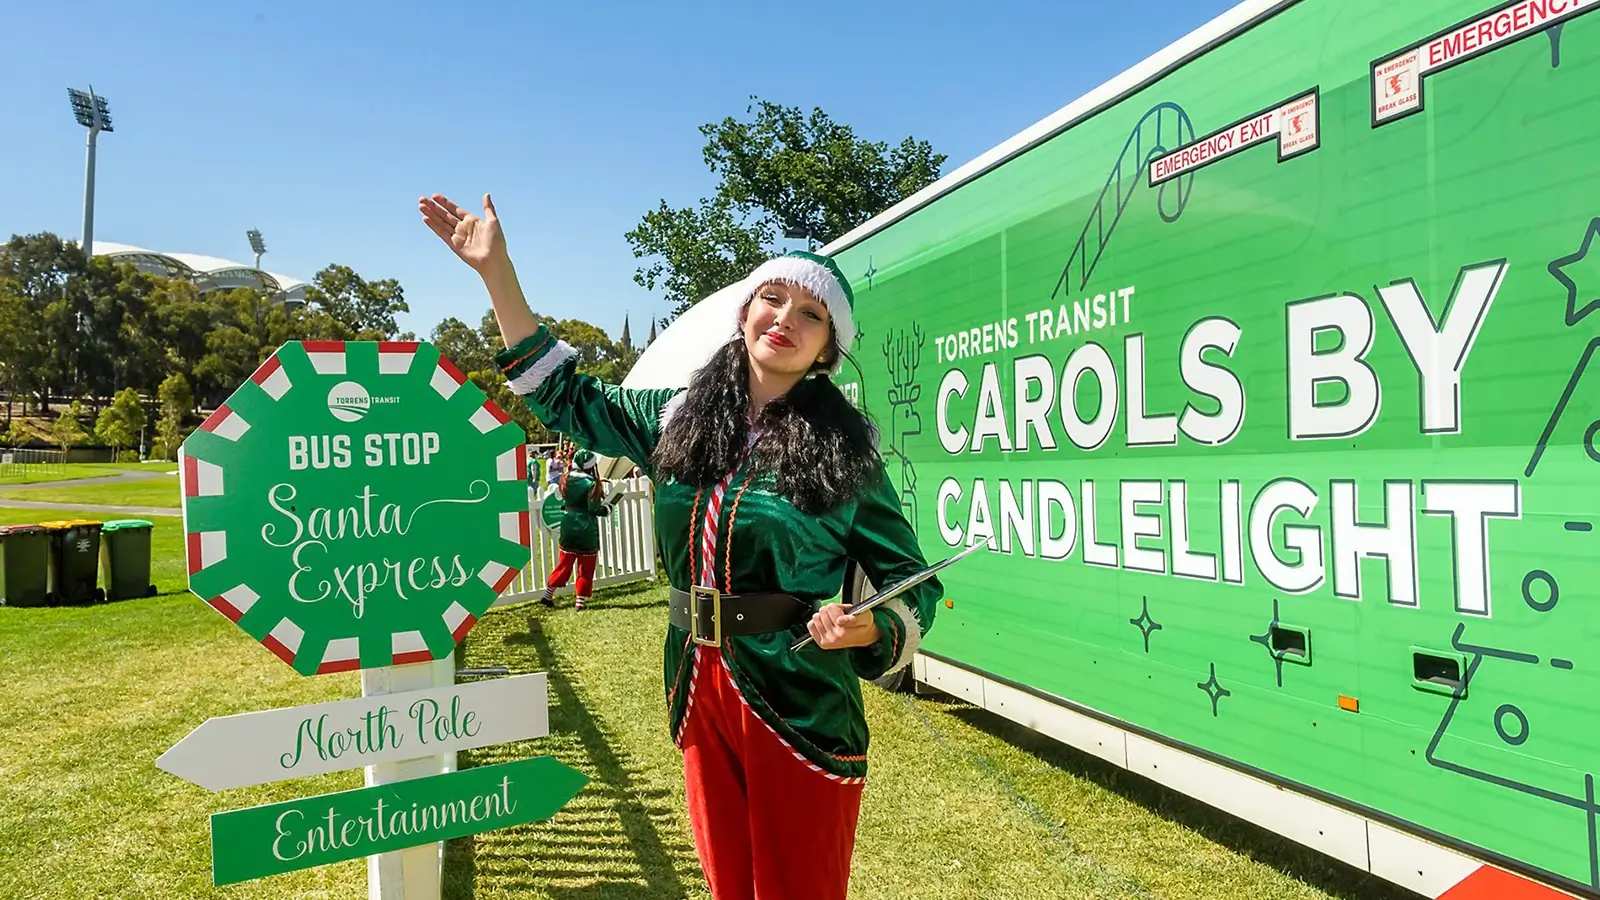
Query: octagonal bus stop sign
{"x": 355, "y": 505}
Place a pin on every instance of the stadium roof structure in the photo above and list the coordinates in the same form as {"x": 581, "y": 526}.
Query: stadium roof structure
{"x": 208, "y": 273}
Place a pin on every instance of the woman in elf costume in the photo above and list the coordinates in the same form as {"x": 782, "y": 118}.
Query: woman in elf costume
{"x": 767, "y": 481}
{"x": 579, "y": 534}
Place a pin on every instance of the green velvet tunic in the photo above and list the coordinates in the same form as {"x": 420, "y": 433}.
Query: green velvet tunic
{"x": 580, "y": 525}
{"x": 811, "y": 698}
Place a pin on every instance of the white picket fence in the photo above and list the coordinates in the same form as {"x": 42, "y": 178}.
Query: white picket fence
{"x": 627, "y": 544}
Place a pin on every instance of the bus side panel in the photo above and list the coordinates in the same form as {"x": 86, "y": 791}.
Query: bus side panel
{"x": 1291, "y": 457}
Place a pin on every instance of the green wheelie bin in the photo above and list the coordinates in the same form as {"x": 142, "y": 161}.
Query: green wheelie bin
{"x": 125, "y": 559}
{"x": 24, "y": 565}
{"x": 75, "y": 560}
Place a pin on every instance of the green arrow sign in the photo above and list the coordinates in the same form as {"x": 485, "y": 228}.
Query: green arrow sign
{"x": 355, "y": 504}
{"x": 315, "y": 831}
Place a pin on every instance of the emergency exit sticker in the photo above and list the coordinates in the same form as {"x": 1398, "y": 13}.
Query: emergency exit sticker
{"x": 1397, "y": 78}
{"x": 1292, "y": 123}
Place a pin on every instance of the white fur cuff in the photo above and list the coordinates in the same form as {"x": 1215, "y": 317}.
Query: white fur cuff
{"x": 913, "y": 632}
{"x": 535, "y": 374}
{"x": 670, "y": 409}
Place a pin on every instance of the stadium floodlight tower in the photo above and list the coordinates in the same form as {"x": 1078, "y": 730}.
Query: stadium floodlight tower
{"x": 256, "y": 245}
{"x": 92, "y": 113}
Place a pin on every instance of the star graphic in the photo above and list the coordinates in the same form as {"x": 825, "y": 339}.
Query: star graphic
{"x": 1213, "y": 690}
{"x": 871, "y": 271}
{"x": 1265, "y": 640}
{"x": 1144, "y": 623}
{"x": 1591, "y": 297}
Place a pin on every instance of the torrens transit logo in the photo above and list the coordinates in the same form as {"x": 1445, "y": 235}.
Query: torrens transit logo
{"x": 350, "y": 402}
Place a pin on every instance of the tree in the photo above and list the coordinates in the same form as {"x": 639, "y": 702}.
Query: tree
{"x": 780, "y": 172}
{"x": 473, "y": 350}
{"x": 463, "y": 345}
{"x": 66, "y": 432}
{"x": 18, "y": 433}
{"x": 42, "y": 277}
{"x": 697, "y": 251}
{"x": 367, "y": 309}
{"x": 231, "y": 355}
{"x": 176, "y": 401}
{"x": 120, "y": 423}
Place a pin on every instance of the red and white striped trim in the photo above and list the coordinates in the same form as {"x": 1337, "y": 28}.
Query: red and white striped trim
{"x": 515, "y": 527}
{"x": 284, "y": 640}
{"x": 272, "y": 379}
{"x": 234, "y": 602}
{"x": 459, "y": 621}
{"x": 200, "y": 478}
{"x": 786, "y": 745}
{"x": 327, "y": 357}
{"x": 409, "y": 647}
{"x": 512, "y": 465}
{"x": 225, "y": 423}
{"x": 688, "y": 698}
{"x": 489, "y": 416}
{"x": 497, "y": 575}
{"x": 395, "y": 357}
{"x": 447, "y": 379}
{"x": 708, "y": 536}
{"x": 343, "y": 655}
{"x": 206, "y": 549}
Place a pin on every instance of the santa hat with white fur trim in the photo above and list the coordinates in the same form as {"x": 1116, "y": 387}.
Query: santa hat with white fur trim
{"x": 818, "y": 274}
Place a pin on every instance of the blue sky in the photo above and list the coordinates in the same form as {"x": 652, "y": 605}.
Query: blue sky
{"x": 321, "y": 123}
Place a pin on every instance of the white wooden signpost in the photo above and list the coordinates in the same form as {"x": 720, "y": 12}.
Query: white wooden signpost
{"x": 358, "y": 506}
{"x": 262, "y": 747}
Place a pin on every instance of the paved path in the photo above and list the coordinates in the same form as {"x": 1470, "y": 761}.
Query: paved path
{"x": 98, "y": 508}
{"x": 103, "y": 509}
{"x": 130, "y": 475}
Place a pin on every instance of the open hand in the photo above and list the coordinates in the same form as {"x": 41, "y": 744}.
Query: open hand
{"x": 477, "y": 241}
{"x": 833, "y": 628}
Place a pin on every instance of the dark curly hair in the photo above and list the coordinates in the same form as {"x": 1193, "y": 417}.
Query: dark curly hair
{"x": 818, "y": 448}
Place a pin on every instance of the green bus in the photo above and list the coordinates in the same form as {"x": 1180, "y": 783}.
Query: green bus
{"x": 1268, "y": 371}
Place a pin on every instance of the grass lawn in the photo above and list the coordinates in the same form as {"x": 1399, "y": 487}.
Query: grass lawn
{"x": 960, "y": 804}
{"x": 94, "y": 695}
{"x": 162, "y": 491}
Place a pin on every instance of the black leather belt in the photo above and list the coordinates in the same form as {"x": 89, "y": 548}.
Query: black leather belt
{"x": 709, "y": 615}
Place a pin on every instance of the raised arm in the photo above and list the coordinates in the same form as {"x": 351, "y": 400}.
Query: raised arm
{"x": 540, "y": 369}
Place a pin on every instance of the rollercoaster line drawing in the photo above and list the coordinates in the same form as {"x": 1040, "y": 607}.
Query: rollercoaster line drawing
{"x": 1144, "y": 145}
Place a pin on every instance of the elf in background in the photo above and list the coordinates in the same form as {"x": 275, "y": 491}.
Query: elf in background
{"x": 579, "y": 537}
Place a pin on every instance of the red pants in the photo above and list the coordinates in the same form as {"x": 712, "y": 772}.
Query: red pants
{"x": 767, "y": 824}
{"x": 563, "y": 570}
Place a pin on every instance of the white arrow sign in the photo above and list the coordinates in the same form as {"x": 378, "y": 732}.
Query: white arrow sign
{"x": 261, "y": 747}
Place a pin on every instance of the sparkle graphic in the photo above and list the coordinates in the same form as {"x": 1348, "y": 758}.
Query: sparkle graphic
{"x": 871, "y": 271}
{"x": 1213, "y": 690}
{"x": 1265, "y": 640}
{"x": 1590, "y": 297}
{"x": 1144, "y": 623}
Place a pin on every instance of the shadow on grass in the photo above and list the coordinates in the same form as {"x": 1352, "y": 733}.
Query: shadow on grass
{"x": 608, "y": 843}
{"x": 1329, "y": 875}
